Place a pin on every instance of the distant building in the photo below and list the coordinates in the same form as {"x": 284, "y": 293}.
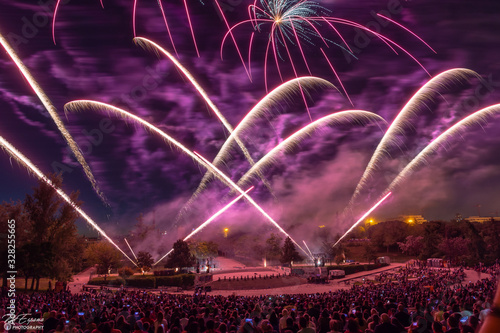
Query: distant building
{"x": 482, "y": 219}
{"x": 412, "y": 219}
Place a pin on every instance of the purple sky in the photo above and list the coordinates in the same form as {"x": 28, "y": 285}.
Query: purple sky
{"x": 95, "y": 58}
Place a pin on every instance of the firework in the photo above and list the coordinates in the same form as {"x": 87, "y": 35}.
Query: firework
{"x": 53, "y": 113}
{"x": 458, "y": 129}
{"x": 146, "y": 43}
{"x": 351, "y": 116}
{"x": 133, "y": 253}
{"x": 134, "y": 15}
{"x": 281, "y": 93}
{"x": 363, "y": 217}
{"x": 84, "y": 104}
{"x": 424, "y": 95}
{"x": 207, "y": 222}
{"x": 307, "y": 247}
{"x": 23, "y": 160}
{"x": 295, "y": 22}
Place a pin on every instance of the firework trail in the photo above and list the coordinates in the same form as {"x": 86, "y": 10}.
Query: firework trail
{"x": 150, "y": 45}
{"x": 418, "y": 101}
{"x": 279, "y": 94}
{"x": 164, "y": 16}
{"x": 56, "y": 9}
{"x": 459, "y": 128}
{"x": 23, "y": 160}
{"x": 351, "y": 116}
{"x": 295, "y": 22}
{"x": 53, "y": 113}
{"x": 133, "y": 253}
{"x": 363, "y": 217}
{"x": 307, "y": 247}
{"x": 207, "y": 222}
{"x": 99, "y": 106}
{"x": 214, "y": 169}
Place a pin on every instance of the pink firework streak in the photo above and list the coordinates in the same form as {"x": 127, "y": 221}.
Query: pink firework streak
{"x": 295, "y": 22}
{"x": 56, "y": 9}
{"x": 134, "y": 15}
{"x": 363, "y": 217}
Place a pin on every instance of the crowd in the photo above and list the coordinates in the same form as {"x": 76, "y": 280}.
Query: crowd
{"x": 415, "y": 299}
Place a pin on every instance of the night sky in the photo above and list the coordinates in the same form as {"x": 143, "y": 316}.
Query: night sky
{"x": 95, "y": 58}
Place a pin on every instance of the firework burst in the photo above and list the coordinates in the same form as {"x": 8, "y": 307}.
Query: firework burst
{"x": 294, "y": 23}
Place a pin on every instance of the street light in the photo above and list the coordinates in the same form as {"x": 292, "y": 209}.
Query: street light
{"x": 226, "y": 230}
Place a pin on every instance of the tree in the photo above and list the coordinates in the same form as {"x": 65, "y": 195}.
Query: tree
{"x": 203, "y": 250}
{"x": 369, "y": 252}
{"x": 273, "y": 247}
{"x": 412, "y": 245}
{"x": 289, "y": 252}
{"x": 454, "y": 248}
{"x": 180, "y": 256}
{"x": 49, "y": 227}
{"x": 105, "y": 256}
{"x": 144, "y": 261}
{"x": 12, "y": 214}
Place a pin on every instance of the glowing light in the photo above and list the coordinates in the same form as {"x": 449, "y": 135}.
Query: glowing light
{"x": 23, "y": 160}
{"x": 363, "y": 217}
{"x": 53, "y": 113}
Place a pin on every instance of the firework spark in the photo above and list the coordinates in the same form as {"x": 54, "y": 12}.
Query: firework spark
{"x": 53, "y": 113}
{"x": 207, "y": 222}
{"x": 32, "y": 168}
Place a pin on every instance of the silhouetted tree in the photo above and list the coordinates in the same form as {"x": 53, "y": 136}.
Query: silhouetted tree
{"x": 144, "y": 261}
{"x": 273, "y": 247}
{"x": 180, "y": 256}
{"x": 52, "y": 230}
{"x": 289, "y": 252}
{"x": 369, "y": 252}
{"x": 105, "y": 256}
{"x": 412, "y": 245}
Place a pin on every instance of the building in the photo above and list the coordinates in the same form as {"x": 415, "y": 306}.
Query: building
{"x": 412, "y": 219}
{"x": 482, "y": 219}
